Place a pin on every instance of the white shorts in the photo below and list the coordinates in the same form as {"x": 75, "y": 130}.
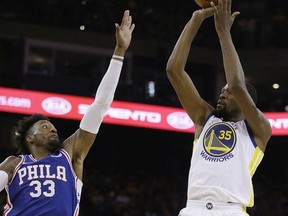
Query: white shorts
{"x": 202, "y": 208}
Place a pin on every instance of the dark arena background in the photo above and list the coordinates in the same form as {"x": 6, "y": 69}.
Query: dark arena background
{"x": 64, "y": 47}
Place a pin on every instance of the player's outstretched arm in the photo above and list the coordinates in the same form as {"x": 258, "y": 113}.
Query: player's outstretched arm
{"x": 81, "y": 141}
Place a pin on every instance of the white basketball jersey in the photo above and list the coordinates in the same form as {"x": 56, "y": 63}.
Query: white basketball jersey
{"x": 223, "y": 162}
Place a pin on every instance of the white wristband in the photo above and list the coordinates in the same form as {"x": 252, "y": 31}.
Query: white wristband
{"x": 3, "y": 179}
{"x": 118, "y": 57}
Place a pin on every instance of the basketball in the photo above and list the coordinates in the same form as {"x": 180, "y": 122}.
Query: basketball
{"x": 205, "y": 3}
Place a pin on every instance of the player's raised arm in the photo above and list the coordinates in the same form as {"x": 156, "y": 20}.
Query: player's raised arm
{"x": 83, "y": 139}
{"x": 235, "y": 75}
{"x": 192, "y": 102}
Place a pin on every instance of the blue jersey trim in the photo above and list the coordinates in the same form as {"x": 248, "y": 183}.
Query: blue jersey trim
{"x": 250, "y": 132}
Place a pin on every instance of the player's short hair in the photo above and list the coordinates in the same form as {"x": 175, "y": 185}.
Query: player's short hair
{"x": 252, "y": 91}
{"x": 21, "y": 129}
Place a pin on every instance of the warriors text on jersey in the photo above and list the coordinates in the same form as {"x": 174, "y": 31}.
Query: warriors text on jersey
{"x": 45, "y": 187}
{"x": 224, "y": 159}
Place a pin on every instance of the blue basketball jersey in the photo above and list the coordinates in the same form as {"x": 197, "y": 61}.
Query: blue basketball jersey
{"x": 45, "y": 187}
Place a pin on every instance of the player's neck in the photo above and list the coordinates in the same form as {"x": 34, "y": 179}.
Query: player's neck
{"x": 40, "y": 154}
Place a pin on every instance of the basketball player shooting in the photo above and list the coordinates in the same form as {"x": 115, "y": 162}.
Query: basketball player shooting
{"x": 230, "y": 139}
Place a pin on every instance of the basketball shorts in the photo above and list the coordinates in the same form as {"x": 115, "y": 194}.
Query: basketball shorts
{"x": 202, "y": 208}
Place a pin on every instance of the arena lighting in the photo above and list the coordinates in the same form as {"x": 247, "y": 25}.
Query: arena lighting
{"x": 150, "y": 89}
{"x": 275, "y": 86}
{"x": 120, "y": 113}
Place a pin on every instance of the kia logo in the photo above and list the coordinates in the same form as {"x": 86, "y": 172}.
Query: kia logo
{"x": 179, "y": 120}
{"x": 56, "y": 105}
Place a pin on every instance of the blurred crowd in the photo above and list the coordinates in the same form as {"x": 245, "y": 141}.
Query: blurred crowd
{"x": 150, "y": 195}
{"x": 132, "y": 192}
{"x": 144, "y": 194}
{"x": 148, "y": 176}
{"x": 262, "y": 23}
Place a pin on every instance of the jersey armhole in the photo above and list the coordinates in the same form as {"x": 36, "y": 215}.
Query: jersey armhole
{"x": 250, "y": 132}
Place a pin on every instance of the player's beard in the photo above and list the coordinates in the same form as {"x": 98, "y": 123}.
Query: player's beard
{"x": 222, "y": 113}
{"x": 55, "y": 145}
{"x": 225, "y": 115}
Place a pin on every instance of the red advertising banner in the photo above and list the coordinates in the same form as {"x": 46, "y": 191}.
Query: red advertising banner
{"x": 120, "y": 113}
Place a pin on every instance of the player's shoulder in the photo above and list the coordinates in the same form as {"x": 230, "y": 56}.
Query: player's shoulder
{"x": 12, "y": 159}
{"x": 10, "y": 163}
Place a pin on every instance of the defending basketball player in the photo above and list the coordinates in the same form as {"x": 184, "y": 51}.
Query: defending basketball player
{"x": 230, "y": 139}
{"x": 46, "y": 178}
